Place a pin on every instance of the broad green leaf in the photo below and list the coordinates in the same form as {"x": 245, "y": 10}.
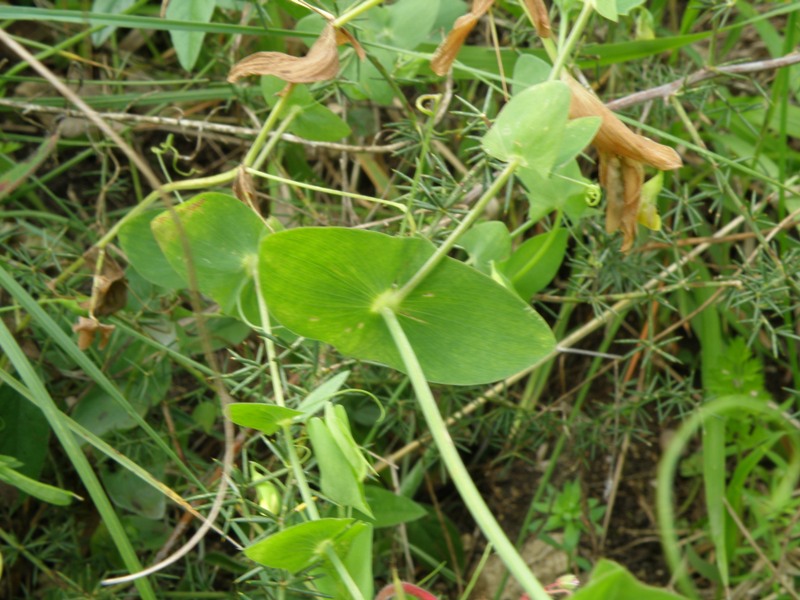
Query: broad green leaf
{"x": 578, "y": 134}
{"x": 625, "y": 6}
{"x": 223, "y": 236}
{"x": 611, "y": 580}
{"x": 42, "y": 491}
{"x": 317, "y": 397}
{"x": 188, "y": 44}
{"x": 268, "y": 418}
{"x": 534, "y": 264}
{"x": 323, "y": 283}
{"x": 409, "y": 23}
{"x": 530, "y": 127}
{"x": 144, "y": 378}
{"x": 126, "y": 491}
{"x": 529, "y": 70}
{"x": 391, "y": 509}
{"x": 339, "y": 425}
{"x": 606, "y": 8}
{"x": 338, "y": 479}
{"x": 205, "y": 415}
{"x": 144, "y": 255}
{"x": 24, "y": 432}
{"x": 112, "y": 7}
{"x": 314, "y": 121}
{"x": 486, "y": 243}
{"x": 300, "y": 546}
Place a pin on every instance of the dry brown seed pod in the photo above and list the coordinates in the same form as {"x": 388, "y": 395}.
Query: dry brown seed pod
{"x": 320, "y": 64}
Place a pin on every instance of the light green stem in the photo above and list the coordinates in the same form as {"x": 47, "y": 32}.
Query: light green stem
{"x": 252, "y": 155}
{"x": 355, "y": 12}
{"x": 574, "y": 35}
{"x": 325, "y": 190}
{"x": 341, "y": 569}
{"x": 455, "y": 467}
{"x": 442, "y": 251}
{"x": 277, "y": 390}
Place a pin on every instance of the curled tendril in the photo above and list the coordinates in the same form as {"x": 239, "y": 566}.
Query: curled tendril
{"x": 593, "y": 195}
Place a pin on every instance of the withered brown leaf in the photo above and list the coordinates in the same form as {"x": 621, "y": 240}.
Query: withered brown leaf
{"x": 109, "y": 286}
{"x": 87, "y": 329}
{"x": 621, "y": 155}
{"x": 320, "y": 64}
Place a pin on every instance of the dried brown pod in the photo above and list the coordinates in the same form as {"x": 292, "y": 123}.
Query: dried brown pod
{"x": 541, "y": 19}
{"x": 614, "y": 137}
{"x": 320, "y": 64}
{"x": 109, "y": 286}
{"x": 622, "y": 154}
{"x": 87, "y": 329}
{"x": 447, "y": 51}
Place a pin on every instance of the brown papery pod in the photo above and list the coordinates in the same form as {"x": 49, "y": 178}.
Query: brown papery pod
{"x": 320, "y": 64}
{"x": 541, "y": 19}
{"x": 448, "y": 50}
{"x": 614, "y": 137}
{"x": 622, "y": 179}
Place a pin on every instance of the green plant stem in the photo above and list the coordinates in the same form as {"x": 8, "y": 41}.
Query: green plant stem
{"x": 77, "y": 457}
{"x": 263, "y": 135}
{"x": 354, "y": 12}
{"x": 342, "y": 571}
{"x": 574, "y": 35}
{"x": 324, "y": 190}
{"x": 442, "y": 251}
{"x": 455, "y": 466}
{"x": 277, "y": 390}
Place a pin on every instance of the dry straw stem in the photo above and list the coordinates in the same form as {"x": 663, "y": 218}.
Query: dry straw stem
{"x": 320, "y": 64}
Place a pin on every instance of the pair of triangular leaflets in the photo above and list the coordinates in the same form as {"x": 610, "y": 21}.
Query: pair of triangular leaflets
{"x": 144, "y": 255}
{"x": 222, "y": 235}
{"x": 324, "y": 283}
{"x": 530, "y": 128}
{"x": 341, "y": 465}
